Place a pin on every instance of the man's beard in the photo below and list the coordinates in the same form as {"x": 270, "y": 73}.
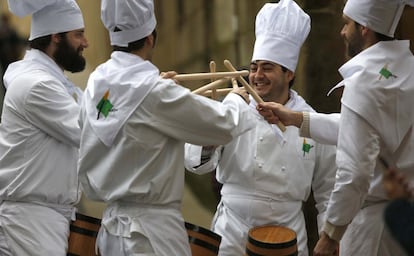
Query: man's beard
{"x": 68, "y": 57}
{"x": 354, "y": 45}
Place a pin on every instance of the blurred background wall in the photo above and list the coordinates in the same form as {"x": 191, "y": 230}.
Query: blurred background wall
{"x": 191, "y": 33}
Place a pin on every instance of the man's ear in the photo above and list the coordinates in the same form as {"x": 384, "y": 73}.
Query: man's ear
{"x": 364, "y": 30}
{"x": 150, "y": 40}
{"x": 290, "y": 75}
{"x": 56, "y": 38}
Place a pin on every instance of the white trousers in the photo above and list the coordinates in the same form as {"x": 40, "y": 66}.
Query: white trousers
{"x": 236, "y": 215}
{"x": 367, "y": 235}
{"x": 30, "y": 229}
{"x": 129, "y": 229}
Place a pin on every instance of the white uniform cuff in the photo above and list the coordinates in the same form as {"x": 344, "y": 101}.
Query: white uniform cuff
{"x": 334, "y": 232}
{"x": 304, "y": 130}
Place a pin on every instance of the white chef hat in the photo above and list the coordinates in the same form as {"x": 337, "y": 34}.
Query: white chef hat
{"x": 409, "y": 2}
{"x": 49, "y": 16}
{"x": 281, "y": 29}
{"x": 135, "y": 19}
{"x": 381, "y": 16}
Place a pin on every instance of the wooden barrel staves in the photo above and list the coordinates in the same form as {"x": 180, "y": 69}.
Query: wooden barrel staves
{"x": 203, "y": 242}
{"x": 271, "y": 240}
{"x": 83, "y": 233}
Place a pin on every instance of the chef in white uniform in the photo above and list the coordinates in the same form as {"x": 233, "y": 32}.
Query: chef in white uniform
{"x": 376, "y": 121}
{"x": 134, "y": 126}
{"x": 40, "y": 133}
{"x": 267, "y": 174}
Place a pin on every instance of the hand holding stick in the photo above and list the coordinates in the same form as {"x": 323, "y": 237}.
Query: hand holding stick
{"x": 395, "y": 183}
{"x": 250, "y": 90}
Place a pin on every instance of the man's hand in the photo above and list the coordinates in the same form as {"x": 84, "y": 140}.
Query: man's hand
{"x": 274, "y": 112}
{"x": 396, "y": 185}
{"x": 169, "y": 75}
{"x": 242, "y": 92}
{"x": 326, "y": 246}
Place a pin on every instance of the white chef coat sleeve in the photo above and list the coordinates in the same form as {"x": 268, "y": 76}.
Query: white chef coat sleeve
{"x": 358, "y": 148}
{"x": 50, "y": 108}
{"x": 323, "y": 179}
{"x": 196, "y": 119}
{"x": 323, "y": 128}
{"x": 194, "y": 154}
{"x": 82, "y": 114}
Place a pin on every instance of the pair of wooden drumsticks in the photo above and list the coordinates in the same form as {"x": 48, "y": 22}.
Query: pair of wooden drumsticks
{"x": 222, "y": 77}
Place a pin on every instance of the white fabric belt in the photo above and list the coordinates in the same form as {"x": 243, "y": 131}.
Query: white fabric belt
{"x": 131, "y": 208}
{"x": 68, "y": 211}
{"x": 232, "y": 190}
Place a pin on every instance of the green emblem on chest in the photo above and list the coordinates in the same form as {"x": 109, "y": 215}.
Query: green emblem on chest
{"x": 306, "y": 147}
{"x": 384, "y": 72}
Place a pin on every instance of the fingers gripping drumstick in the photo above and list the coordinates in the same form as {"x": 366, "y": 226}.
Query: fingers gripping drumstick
{"x": 250, "y": 90}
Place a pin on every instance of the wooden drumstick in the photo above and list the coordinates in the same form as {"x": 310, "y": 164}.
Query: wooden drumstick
{"x": 213, "y": 70}
{"x": 219, "y": 92}
{"x": 234, "y": 83}
{"x": 211, "y": 85}
{"x": 250, "y": 90}
{"x": 216, "y": 75}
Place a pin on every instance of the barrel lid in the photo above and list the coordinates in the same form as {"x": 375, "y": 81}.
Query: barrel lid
{"x": 272, "y": 236}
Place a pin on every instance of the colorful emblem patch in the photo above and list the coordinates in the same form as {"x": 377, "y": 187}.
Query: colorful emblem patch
{"x": 306, "y": 147}
{"x": 104, "y": 106}
{"x": 384, "y": 72}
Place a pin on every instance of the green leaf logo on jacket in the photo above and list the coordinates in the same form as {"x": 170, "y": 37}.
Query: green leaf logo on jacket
{"x": 104, "y": 106}
{"x": 306, "y": 147}
{"x": 384, "y": 72}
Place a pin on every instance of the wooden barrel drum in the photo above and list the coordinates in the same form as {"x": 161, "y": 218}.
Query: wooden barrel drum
{"x": 271, "y": 240}
{"x": 203, "y": 242}
{"x": 83, "y": 233}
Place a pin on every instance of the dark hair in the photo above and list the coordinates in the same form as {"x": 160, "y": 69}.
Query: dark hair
{"x": 41, "y": 43}
{"x": 379, "y": 36}
{"x": 382, "y": 37}
{"x": 133, "y": 46}
{"x": 284, "y": 69}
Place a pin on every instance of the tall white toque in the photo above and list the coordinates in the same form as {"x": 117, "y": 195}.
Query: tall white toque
{"x": 381, "y": 16}
{"x": 281, "y": 29}
{"x": 49, "y": 16}
{"x": 409, "y": 2}
{"x": 128, "y": 20}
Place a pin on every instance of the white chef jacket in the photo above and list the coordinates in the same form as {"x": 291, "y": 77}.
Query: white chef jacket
{"x": 141, "y": 173}
{"x": 39, "y": 140}
{"x": 376, "y": 120}
{"x": 266, "y": 177}
{"x": 2, "y": 91}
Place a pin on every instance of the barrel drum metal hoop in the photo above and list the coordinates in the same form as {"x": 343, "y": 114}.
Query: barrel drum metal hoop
{"x": 203, "y": 242}
{"x": 83, "y": 233}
